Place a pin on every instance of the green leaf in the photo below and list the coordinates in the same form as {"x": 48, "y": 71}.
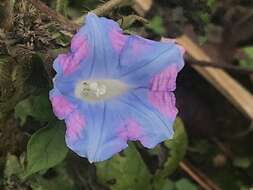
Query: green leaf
{"x": 125, "y": 171}
{"x": 12, "y": 167}
{"x": 211, "y": 3}
{"x": 62, "y": 180}
{"x": 184, "y": 184}
{"x": 46, "y": 148}
{"x": 163, "y": 184}
{"x": 242, "y": 162}
{"x": 37, "y": 107}
{"x": 202, "y": 40}
{"x": 177, "y": 147}
{"x": 248, "y": 60}
{"x": 249, "y": 51}
{"x": 62, "y": 6}
{"x": 156, "y": 25}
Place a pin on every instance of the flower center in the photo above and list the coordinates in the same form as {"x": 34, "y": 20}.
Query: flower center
{"x": 97, "y": 90}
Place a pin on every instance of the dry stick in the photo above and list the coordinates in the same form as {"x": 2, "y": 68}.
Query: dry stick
{"x": 199, "y": 177}
{"x": 205, "y": 178}
{"x": 229, "y": 87}
{"x": 238, "y": 69}
{"x": 103, "y": 9}
{"x": 223, "y": 148}
{"x": 194, "y": 176}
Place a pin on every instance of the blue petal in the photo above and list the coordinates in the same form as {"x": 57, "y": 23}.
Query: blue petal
{"x": 109, "y": 125}
{"x": 104, "y": 40}
{"x": 98, "y": 140}
{"x": 141, "y": 59}
{"x": 155, "y": 126}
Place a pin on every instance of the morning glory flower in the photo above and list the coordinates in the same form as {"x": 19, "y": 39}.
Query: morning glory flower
{"x": 111, "y": 88}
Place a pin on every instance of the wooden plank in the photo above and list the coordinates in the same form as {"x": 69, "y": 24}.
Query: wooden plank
{"x": 230, "y": 88}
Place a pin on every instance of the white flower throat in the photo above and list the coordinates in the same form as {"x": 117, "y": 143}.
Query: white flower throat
{"x": 97, "y": 90}
{"x": 94, "y": 88}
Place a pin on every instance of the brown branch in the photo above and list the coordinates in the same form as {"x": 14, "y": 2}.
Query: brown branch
{"x": 238, "y": 69}
{"x": 204, "y": 181}
{"x": 66, "y": 24}
{"x": 102, "y": 10}
{"x": 107, "y": 7}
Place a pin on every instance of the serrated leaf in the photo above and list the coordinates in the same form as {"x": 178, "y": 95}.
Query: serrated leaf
{"x": 177, "y": 147}
{"x": 125, "y": 171}
{"x": 46, "y": 148}
{"x": 37, "y": 107}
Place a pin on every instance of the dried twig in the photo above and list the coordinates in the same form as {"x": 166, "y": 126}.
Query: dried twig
{"x": 229, "y": 87}
{"x": 223, "y": 148}
{"x": 205, "y": 182}
{"x": 107, "y": 7}
{"x": 103, "y": 9}
{"x": 238, "y": 69}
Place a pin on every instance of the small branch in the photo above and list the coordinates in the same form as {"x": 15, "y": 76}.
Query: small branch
{"x": 102, "y": 10}
{"x": 238, "y": 69}
{"x": 67, "y": 24}
{"x": 199, "y": 177}
{"x": 228, "y": 153}
{"x": 107, "y": 7}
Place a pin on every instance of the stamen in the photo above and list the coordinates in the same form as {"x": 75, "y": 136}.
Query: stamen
{"x": 97, "y": 90}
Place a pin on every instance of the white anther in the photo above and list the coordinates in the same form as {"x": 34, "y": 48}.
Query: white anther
{"x": 93, "y": 86}
{"x": 96, "y": 90}
{"x": 102, "y": 90}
